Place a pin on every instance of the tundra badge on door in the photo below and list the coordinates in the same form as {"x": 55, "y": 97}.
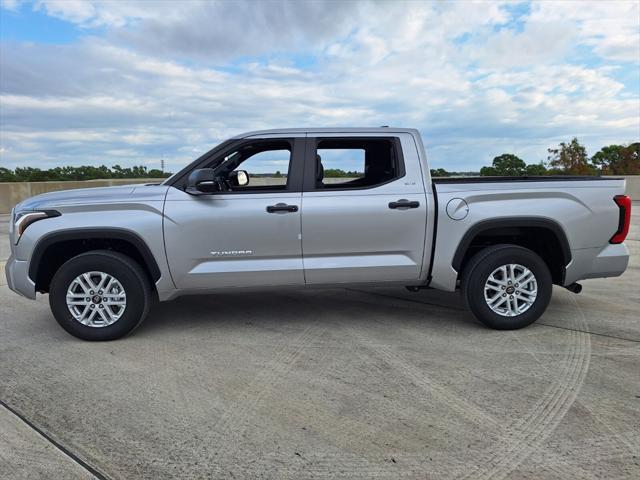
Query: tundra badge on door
{"x": 231, "y": 253}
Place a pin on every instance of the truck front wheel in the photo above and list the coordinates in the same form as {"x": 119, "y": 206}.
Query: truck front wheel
{"x": 100, "y": 295}
{"x": 507, "y": 287}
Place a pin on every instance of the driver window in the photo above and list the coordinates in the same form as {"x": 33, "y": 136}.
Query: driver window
{"x": 266, "y": 163}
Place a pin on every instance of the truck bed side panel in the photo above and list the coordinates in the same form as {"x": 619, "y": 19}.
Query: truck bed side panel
{"x": 585, "y": 211}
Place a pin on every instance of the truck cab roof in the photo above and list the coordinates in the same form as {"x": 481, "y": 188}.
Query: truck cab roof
{"x": 349, "y": 130}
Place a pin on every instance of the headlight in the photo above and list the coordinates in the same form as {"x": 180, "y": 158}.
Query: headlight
{"x": 21, "y": 220}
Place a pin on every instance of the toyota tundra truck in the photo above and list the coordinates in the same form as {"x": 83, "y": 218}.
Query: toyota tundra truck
{"x": 309, "y": 208}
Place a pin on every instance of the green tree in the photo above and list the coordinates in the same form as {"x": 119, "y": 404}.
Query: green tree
{"x": 630, "y": 162}
{"x": 506, "y": 164}
{"x": 6, "y": 175}
{"x": 84, "y": 172}
{"x": 439, "y": 172}
{"x": 606, "y": 157}
{"x": 155, "y": 173}
{"x": 570, "y": 158}
{"x": 488, "y": 172}
{"x": 30, "y": 174}
{"x": 139, "y": 171}
{"x": 335, "y": 173}
{"x": 618, "y": 159}
{"x": 536, "y": 169}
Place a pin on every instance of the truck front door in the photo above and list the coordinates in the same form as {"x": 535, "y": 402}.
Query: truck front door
{"x": 249, "y": 236}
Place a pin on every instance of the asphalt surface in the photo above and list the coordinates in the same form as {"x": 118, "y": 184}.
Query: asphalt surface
{"x": 378, "y": 383}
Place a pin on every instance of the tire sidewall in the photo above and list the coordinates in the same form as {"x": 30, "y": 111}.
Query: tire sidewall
{"x": 117, "y": 268}
{"x": 479, "y": 275}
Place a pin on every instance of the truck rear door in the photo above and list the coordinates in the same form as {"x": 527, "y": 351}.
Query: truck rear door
{"x": 363, "y": 209}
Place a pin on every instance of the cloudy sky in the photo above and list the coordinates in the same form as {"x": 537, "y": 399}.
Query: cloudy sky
{"x": 131, "y": 82}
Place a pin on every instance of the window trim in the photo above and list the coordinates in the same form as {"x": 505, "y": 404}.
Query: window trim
{"x": 309, "y": 183}
{"x": 294, "y": 175}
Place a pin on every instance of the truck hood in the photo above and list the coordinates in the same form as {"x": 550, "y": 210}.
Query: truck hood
{"x": 84, "y": 196}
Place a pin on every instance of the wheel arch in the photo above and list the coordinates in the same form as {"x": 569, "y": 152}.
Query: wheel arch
{"x": 55, "y": 248}
{"x": 544, "y": 236}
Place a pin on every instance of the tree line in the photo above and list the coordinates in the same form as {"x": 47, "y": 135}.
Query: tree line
{"x": 570, "y": 158}
{"x": 567, "y": 159}
{"x": 85, "y": 172}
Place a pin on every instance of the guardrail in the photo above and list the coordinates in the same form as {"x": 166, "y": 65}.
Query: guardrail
{"x": 14, "y": 192}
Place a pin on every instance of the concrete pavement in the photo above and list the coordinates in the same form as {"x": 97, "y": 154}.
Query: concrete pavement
{"x": 26, "y": 454}
{"x": 330, "y": 384}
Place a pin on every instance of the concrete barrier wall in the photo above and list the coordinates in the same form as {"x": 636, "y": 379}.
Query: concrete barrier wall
{"x": 14, "y": 192}
{"x": 633, "y": 186}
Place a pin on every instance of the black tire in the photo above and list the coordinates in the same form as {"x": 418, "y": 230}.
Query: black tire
{"x": 125, "y": 270}
{"x": 480, "y": 267}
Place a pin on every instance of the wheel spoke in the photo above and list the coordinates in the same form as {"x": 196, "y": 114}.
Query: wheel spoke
{"x": 494, "y": 298}
{"x": 516, "y": 306}
{"x": 89, "y": 281}
{"x": 500, "y": 301}
{"x": 88, "y": 320}
{"x": 80, "y": 281}
{"x": 505, "y": 273}
{"x": 496, "y": 283}
{"x": 510, "y": 273}
{"x": 103, "y": 278}
{"x": 106, "y": 318}
{"x": 523, "y": 298}
{"x": 525, "y": 278}
{"x": 113, "y": 301}
{"x": 509, "y": 309}
{"x": 79, "y": 316}
{"x": 76, "y": 297}
{"x": 114, "y": 315}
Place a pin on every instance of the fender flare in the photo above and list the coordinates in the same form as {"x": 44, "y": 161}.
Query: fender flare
{"x": 92, "y": 233}
{"x": 512, "y": 222}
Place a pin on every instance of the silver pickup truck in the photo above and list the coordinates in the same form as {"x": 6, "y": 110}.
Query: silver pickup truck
{"x": 315, "y": 207}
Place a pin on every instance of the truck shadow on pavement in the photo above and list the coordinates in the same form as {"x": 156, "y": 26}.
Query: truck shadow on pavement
{"x": 430, "y": 308}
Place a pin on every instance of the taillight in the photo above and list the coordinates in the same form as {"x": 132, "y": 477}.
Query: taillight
{"x": 624, "y": 204}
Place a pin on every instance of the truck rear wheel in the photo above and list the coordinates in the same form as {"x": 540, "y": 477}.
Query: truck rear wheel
{"x": 100, "y": 295}
{"x": 506, "y": 286}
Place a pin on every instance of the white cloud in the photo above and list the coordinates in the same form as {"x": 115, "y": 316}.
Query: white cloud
{"x": 167, "y": 82}
{"x": 12, "y": 5}
{"x": 104, "y": 13}
{"x": 611, "y": 27}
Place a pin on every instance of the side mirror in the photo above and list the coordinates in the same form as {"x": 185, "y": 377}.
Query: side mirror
{"x": 202, "y": 181}
{"x": 239, "y": 178}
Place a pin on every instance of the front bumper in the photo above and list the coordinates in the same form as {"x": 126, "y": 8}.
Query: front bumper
{"x": 17, "y": 272}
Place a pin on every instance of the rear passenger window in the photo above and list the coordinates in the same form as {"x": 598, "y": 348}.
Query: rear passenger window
{"x": 356, "y": 163}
